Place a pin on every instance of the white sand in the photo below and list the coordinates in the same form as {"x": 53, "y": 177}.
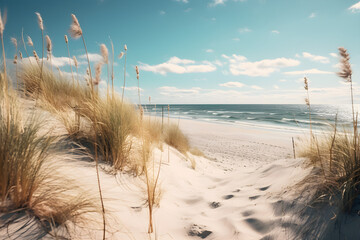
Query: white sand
{"x": 243, "y": 190}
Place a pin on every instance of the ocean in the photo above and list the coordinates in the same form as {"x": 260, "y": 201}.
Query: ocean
{"x": 286, "y": 117}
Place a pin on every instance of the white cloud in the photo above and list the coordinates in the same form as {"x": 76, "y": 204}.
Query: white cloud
{"x": 132, "y": 89}
{"x": 183, "y": 1}
{"x": 169, "y": 91}
{"x": 244, "y": 30}
{"x": 355, "y": 7}
{"x": 162, "y": 12}
{"x": 309, "y": 71}
{"x": 93, "y": 57}
{"x": 238, "y": 65}
{"x": 232, "y": 84}
{"x": 256, "y": 87}
{"x": 179, "y": 66}
{"x": 275, "y": 31}
{"x": 312, "y": 15}
{"x": 333, "y": 55}
{"x": 209, "y": 50}
{"x": 218, "y": 63}
{"x": 214, "y": 3}
{"x": 276, "y": 86}
{"x": 315, "y": 58}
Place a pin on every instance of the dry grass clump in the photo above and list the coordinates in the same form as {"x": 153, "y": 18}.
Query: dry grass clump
{"x": 337, "y": 155}
{"x": 197, "y": 152}
{"x": 176, "y": 138}
{"x": 115, "y": 123}
{"x": 54, "y": 89}
{"x": 27, "y": 180}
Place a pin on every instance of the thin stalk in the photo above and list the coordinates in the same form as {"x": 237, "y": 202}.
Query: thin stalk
{"x": 87, "y": 56}
{"x": 353, "y": 115}
{"x": 5, "y": 87}
{"x": 77, "y": 76}
{"x": 95, "y": 145}
{"x": 42, "y": 57}
{"x": 23, "y": 41}
{"x": 112, "y": 69}
{"x": 72, "y": 74}
{"x": 122, "y": 96}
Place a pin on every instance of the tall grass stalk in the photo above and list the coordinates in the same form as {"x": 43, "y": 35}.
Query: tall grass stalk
{"x": 112, "y": 69}
{"x": 14, "y": 42}
{"x": 67, "y": 46}
{"x": 41, "y": 26}
{"x": 123, "y": 90}
{"x": 76, "y": 32}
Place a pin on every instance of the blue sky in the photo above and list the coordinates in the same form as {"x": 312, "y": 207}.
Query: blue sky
{"x": 209, "y": 51}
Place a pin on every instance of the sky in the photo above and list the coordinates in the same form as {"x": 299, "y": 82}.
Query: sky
{"x": 204, "y": 51}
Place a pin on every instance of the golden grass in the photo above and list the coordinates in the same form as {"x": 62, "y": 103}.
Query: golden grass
{"x": 28, "y": 179}
{"x": 175, "y": 138}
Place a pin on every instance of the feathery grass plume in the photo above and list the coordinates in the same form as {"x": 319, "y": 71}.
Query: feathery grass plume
{"x": 36, "y": 57}
{"x": 41, "y": 26}
{"x": 15, "y": 59}
{"x": 346, "y": 74}
{"x": 67, "y": 46}
{"x": 123, "y": 90}
{"x": 14, "y": 42}
{"x": 20, "y": 55}
{"x": 76, "y": 32}
{"x": 105, "y": 54}
{"x": 307, "y": 102}
{"x": 121, "y": 55}
{"x": 77, "y": 72}
{"x": 30, "y": 42}
{"x": 137, "y": 77}
{"x": 98, "y": 68}
{"x": 49, "y": 49}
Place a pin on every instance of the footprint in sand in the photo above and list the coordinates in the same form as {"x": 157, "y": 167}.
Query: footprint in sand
{"x": 215, "y": 204}
{"x": 254, "y": 197}
{"x": 226, "y": 197}
{"x": 259, "y": 226}
{"x": 247, "y": 213}
{"x": 264, "y": 188}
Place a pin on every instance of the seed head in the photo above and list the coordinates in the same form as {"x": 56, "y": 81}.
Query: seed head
{"x": 15, "y": 59}
{"x": 125, "y": 47}
{"x": 345, "y": 69}
{"x": 307, "y": 102}
{"x": 306, "y": 86}
{"x": 98, "y": 67}
{"x": 105, "y": 53}
{"x": 20, "y": 54}
{"x": 48, "y": 44}
{"x": 40, "y": 21}
{"x": 29, "y": 41}
{"x": 121, "y": 55}
{"x": 66, "y": 39}
{"x": 137, "y": 72}
{"x": 75, "y": 29}
{"x": 36, "y": 56}
{"x": 75, "y": 61}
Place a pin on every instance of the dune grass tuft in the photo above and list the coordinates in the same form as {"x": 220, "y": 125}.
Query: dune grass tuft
{"x": 175, "y": 138}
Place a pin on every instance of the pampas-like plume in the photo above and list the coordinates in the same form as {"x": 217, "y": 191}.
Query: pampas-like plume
{"x": 75, "y": 29}
{"x": 346, "y": 74}
{"x": 14, "y": 42}
{"x": 66, "y": 39}
{"x": 345, "y": 70}
{"x": 98, "y": 67}
{"x": 125, "y": 47}
{"x": 137, "y": 76}
{"x": 121, "y": 55}
{"x": 30, "y": 42}
{"x": 48, "y": 44}
{"x": 20, "y": 54}
{"x": 3, "y": 22}
{"x": 75, "y": 61}
{"x": 104, "y": 53}
{"x": 67, "y": 46}
{"x": 40, "y": 21}
{"x": 36, "y": 57}
{"x": 15, "y": 59}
